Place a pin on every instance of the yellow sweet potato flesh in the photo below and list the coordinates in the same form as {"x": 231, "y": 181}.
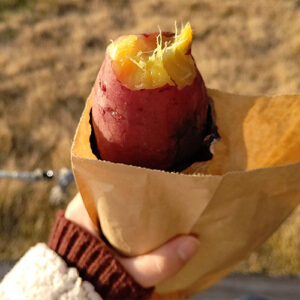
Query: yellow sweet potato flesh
{"x": 155, "y": 60}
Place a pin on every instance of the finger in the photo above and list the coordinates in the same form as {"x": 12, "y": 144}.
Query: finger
{"x": 152, "y": 268}
{"x": 77, "y": 213}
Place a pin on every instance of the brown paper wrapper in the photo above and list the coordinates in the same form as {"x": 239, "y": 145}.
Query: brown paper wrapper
{"x": 233, "y": 202}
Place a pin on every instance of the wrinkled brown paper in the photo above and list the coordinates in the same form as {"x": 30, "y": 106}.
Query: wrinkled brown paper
{"x": 233, "y": 202}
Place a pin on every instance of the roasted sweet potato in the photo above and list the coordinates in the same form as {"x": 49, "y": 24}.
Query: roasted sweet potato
{"x": 150, "y": 103}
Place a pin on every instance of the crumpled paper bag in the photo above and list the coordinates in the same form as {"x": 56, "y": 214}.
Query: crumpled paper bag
{"x": 233, "y": 202}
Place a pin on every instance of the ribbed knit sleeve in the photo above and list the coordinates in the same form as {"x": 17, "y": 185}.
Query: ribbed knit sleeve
{"x": 94, "y": 261}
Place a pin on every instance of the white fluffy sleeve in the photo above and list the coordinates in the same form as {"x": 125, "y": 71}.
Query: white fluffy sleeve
{"x": 42, "y": 274}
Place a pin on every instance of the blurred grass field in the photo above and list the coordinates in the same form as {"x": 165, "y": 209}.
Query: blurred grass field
{"x": 51, "y": 51}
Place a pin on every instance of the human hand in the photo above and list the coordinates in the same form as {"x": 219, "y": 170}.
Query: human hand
{"x": 149, "y": 269}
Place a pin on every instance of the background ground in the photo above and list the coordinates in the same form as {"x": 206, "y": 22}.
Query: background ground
{"x": 50, "y": 52}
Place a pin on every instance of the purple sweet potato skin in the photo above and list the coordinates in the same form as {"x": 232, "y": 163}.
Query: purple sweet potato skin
{"x": 155, "y": 128}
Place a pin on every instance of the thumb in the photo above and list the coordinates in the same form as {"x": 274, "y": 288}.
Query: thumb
{"x": 160, "y": 264}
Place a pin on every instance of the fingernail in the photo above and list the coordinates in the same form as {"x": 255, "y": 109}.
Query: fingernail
{"x": 187, "y": 249}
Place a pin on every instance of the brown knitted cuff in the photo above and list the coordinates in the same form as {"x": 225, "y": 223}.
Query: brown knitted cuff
{"x": 94, "y": 261}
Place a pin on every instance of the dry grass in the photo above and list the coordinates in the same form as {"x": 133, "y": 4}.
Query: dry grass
{"x": 50, "y": 52}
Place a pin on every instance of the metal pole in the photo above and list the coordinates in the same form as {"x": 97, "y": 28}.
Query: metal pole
{"x": 63, "y": 178}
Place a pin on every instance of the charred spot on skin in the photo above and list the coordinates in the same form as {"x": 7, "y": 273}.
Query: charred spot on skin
{"x": 103, "y": 87}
